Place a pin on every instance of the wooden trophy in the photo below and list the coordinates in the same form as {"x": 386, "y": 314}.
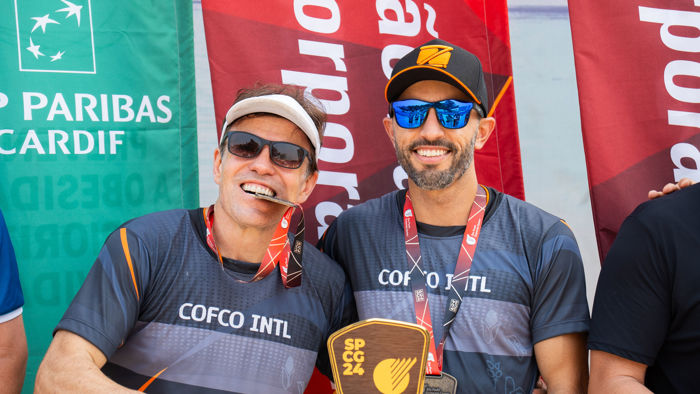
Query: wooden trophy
{"x": 379, "y": 356}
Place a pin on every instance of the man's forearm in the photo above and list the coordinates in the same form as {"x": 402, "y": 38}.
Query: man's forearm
{"x": 73, "y": 365}
{"x": 13, "y": 355}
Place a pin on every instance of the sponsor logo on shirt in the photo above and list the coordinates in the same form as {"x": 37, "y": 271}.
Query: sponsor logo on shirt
{"x": 396, "y": 278}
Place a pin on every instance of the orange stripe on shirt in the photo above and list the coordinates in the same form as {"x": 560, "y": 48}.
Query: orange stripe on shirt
{"x": 148, "y": 383}
{"x": 125, "y": 246}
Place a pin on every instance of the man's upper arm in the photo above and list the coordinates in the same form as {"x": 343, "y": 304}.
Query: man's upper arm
{"x": 563, "y": 363}
{"x": 614, "y": 374}
{"x": 630, "y": 311}
{"x": 108, "y": 303}
{"x": 559, "y": 303}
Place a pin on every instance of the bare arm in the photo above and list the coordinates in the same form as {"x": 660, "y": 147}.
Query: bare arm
{"x": 563, "y": 363}
{"x": 13, "y": 355}
{"x": 614, "y": 374}
{"x": 73, "y": 364}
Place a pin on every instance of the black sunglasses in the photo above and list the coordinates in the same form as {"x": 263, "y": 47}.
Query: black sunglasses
{"x": 248, "y": 146}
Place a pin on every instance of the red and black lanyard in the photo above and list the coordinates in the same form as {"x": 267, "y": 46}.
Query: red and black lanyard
{"x": 459, "y": 280}
{"x": 278, "y": 252}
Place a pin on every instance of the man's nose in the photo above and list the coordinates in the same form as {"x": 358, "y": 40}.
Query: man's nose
{"x": 431, "y": 128}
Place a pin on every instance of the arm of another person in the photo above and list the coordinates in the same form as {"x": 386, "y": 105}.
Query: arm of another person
{"x": 563, "y": 363}
{"x": 614, "y": 374}
{"x": 670, "y": 188}
{"x": 72, "y": 364}
{"x": 13, "y": 354}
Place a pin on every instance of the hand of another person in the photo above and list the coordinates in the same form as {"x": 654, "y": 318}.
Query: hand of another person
{"x": 670, "y": 188}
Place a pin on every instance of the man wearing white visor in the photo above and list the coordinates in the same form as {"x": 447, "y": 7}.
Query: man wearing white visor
{"x": 214, "y": 299}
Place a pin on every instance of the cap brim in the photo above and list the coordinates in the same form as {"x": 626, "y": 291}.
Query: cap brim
{"x": 407, "y": 77}
{"x": 280, "y": 105}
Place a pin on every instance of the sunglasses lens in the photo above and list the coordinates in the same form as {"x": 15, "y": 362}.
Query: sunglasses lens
{"x": 453, "y": 114}
{"x": 244, "y": 145}
{"x": 287, "y": 155}
{"x": 410, "y": 113}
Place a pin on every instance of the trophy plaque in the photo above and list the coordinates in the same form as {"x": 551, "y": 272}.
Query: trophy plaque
{"x": 379, "y": 356}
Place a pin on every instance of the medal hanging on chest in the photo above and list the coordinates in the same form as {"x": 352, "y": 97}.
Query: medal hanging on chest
{"x": 461, "y": 275}
{"x": 279, "y": 252}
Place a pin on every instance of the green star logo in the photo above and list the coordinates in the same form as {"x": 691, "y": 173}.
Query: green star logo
{"x": 55, "y": 36}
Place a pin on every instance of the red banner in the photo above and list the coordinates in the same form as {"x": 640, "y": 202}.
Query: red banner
{"x": 638, "y": 76}
{"x": 343, "y": 53}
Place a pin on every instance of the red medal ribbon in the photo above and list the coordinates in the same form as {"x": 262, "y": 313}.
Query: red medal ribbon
{"x": 459, "y": 280}
{"x": 278, "y": 251}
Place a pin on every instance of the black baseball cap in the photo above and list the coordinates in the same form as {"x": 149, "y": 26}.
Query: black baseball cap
{"x": 441, "y": 61}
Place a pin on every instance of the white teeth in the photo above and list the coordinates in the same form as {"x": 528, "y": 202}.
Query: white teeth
{"x": 258, "y": 189}
{"x": 431, "y": 152}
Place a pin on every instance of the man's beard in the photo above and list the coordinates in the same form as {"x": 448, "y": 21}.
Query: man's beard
{"x": 431, "y": 179}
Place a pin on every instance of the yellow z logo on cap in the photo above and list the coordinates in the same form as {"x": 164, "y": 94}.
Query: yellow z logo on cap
{"x": 434, "y": 55}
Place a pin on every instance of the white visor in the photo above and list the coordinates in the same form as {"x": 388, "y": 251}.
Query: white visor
{"x": 278, "y": 104}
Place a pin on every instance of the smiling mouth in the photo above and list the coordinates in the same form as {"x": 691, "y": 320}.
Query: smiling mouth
{"x": 431, "y": 152}
{"x": 253, "y": 188}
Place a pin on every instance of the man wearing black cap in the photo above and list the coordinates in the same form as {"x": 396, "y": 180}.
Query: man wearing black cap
{"x": 504, "y": 280}
{"x": 212, "y": 300}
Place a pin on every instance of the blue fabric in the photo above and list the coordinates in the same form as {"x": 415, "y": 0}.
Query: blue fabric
{"x": 11, "y": 297}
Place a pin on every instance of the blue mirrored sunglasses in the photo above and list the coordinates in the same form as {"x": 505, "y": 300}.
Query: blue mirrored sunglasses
{"x": 411, "y": 113}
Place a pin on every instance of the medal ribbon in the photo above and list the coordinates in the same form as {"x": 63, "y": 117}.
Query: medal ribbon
{"x": 459, "y": 280}
{"x": 278, "y": 251}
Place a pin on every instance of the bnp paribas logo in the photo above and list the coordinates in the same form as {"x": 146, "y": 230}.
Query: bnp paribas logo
{"x": 55, "y": 36}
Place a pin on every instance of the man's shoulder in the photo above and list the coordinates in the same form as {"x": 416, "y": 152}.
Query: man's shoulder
{"x": 527, "y": 215}
{"x": 371, "y": 209}
{"x": 680, "y": 205}
{"x": 321, "y": 267}
{"x": 168, "y": 221}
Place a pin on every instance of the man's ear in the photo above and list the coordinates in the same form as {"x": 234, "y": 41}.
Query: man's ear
{"x": 484, "y": 130}
{"x": 217, "y": 166}
{"x": 389, "y": 128}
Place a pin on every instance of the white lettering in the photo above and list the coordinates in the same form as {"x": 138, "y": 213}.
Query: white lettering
{"x": 117, "y": 108}
{"x": 322, "y": 82}
{"x": 335, "y": 52}
{"x": 78, "y": 149}
{"x": 165, "y": 110}
{"x": 390, "y": 53}
{"x": 60, "y": 142}
{"x": 181, "y": 312}
{"x": 398, "y": 27}
{"x": 669, "y": 18}
{"x": 323, "y": 210}
{"x": 31, "y": 141}
{"x": 433, "y": 280}
{"x": 89, "y": 108}
{"x": 382, "y": 277}
{"x": 199, "y": 313}
{"x": 113, "y": 141}
{"x": 5, "y": 151}
{"x": 685, "y": 68}
{"x": 28, "y": 106}
{"x": 318, "y": 25}
{"x": 146, "y": 109}
{"x": 342, "y": 155}
{"x": 340, "y": 179}
{"x": 678, "y": 153}
{"x": 59, "y": 101}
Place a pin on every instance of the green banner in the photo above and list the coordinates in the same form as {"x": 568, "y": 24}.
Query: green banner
{"x": 97, "y": 126}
